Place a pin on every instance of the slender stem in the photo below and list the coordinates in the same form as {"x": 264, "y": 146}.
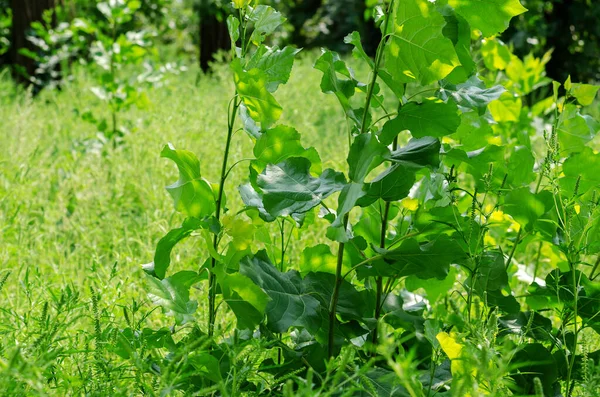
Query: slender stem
{"x": 232, "y": 113}
{"x": 537, "y": 261}
{"x": 573, "y": 351}
{"x": 514, "y": 248}
{"x": 379, "y": 281}
{"x": 363, "y": 129}
{"x": 212, "y": 283}
{"x": 336, "y": 293}
{"x": 282, "y": 230}
{"x": 378, "y": 59}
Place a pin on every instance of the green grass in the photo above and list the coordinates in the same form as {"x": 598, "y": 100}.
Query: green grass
{"x": 77, "y": 220}
{"x": 75, "y": 216}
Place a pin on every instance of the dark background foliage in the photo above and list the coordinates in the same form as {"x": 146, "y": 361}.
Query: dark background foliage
{"x": 569, "y": 27}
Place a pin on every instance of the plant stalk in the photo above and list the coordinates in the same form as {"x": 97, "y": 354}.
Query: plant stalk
{"x": 212, "y": 283}
{"x": 336, "y": 294}
{"x": 363, "y": 129}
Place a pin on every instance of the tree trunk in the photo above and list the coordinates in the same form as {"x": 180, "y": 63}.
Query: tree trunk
{"x": 24, "y": 13}
{"x": 214, "y": 36}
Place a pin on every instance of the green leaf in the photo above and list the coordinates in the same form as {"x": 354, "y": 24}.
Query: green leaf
{"x": 490, "y": 272}
{"x": 247, "y": 300}
{"x": 252, "y": 88}
{"x": 348, "y": 199}
{"x": 192, "y": 194}
{"x": 506, "y": 108}
{"x": 289, "y": 188}
{"x": 432, "y": 117}
{"x": 473, "y": 132}
{"x": 496, "y": 55}
{"x": 365, "y": 154}
{"x": 330, "y": 64}
{"x": 173, "y": 295}
{"x": 250, "y": 126}
{"x": 241, "y": 3}
{"x": 458, "y": 30}
{"x": 418, "y": 153}
{"x": 490, "y": 16}
{"x": 575, "y": 130}
{"x": 472, "y": 94}
{"x": 233, "y": 26}
{"x": 525, "y": 207}
{"x": 253, "y": 199}
{"x": 162, "y": 255}
{"x": 583, "y": 166}
{"x": 282, "y": 142}
{"x": 352, "y": 304}
{"x": 265, "y": 20}
{"x": 520, "y": 167}
{"x": 358, "y": 50}
{"x": 534, "y": 361}
{"x": 584, "y": 93}
{"x": 291, "y": 304}
{"x": 429, "y": 260}
{"x": 318, "y": 259}
{"x": 391, "y": 185}
{"x": 418, "y": 49}
{"x": 275, "y": 64}
{"x": 434, "y": 288}
{"x": 396, "y": 86}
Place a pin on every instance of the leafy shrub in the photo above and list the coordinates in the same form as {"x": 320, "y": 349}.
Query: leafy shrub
{"x": 464, "y": 170}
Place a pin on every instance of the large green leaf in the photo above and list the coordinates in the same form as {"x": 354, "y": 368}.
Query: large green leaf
{"x": 472, "y": 94}
{"x": 253, "y": 199}
{"x": 533, "y": 361}
{"x": 418, "y": 50}
{"x": 251, "y": 86}
{"x": 275, "y": 64}
{"x": 173, "y": 295}
{"x": 490, "y": 272}
{"x": 265, "y": 20}
{"x": 432, "y": 117}
{"x": 525, "y": 207}
{"x": 429, "y": 260}
{"x": 520, "y": 167}
{"x": 575, "y": 130}
{"x": 584, "y": 93}
{"x": 418, "y": 153}
{"x": 289, "y": 188}
{"x": 291, "y": 304}
{"x": 352, "y": 304}
{"x": 365, "y": 154}
{"x": 192, "y": 194}
{"x": 247, "y": 300}
{"x": 489, "y": 16}
{"x": 583, "y": 166}
{"x": 391, "y": 185}
{"x": 458, "y": 30}
{"x": 348, "y": 199}
{"x": 279, "y": 143}
{"x": 318, "y": 259}
{"x": 162, "y": 255}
